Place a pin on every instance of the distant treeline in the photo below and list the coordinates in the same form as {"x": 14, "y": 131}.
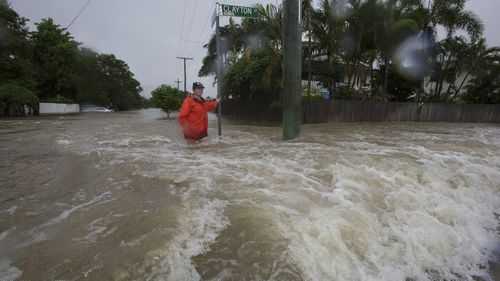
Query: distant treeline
{"x": 48, "y": 65}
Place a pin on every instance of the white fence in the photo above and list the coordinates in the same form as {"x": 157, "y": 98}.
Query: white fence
{"x": 59, "y": 108}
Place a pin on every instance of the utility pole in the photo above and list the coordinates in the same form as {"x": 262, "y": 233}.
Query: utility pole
{"x": 185, "y": 79}
{"x": 178, "y": 82}
{"x": 292, "y": 67}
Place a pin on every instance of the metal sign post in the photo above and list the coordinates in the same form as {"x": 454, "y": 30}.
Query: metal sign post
{"x": 218, "y": 69}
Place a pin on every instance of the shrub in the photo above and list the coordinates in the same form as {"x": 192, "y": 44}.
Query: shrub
{"x": 313, "y": 95}
{"x": 14, "y": 95}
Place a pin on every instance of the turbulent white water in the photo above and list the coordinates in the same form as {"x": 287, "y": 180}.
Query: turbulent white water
{"x": 123, "y": 197}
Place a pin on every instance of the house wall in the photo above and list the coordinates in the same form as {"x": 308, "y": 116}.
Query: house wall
{"x": 430, "y": 86}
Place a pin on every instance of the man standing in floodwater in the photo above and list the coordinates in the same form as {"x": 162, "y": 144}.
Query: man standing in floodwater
{"x": 193, "y": 116}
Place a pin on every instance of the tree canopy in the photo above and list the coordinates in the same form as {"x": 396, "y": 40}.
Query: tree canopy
{"x": 167, "y": 98}
{"x": 362, "y": 49}
{"x": 51, "y": 65}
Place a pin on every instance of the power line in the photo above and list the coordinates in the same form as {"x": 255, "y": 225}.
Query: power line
{"x": 180, "y": 35}
{"x": 191, "y": 23}
{"x": 205, "y": 41}
{"x": 77, "y": 15}
{"x": 196, "y": 48}
{"x": 198, "y": 44}
{"x": 193, "y": 42}
{"x": 182, "y": 27}
{"x": 204, "y": 27}
{"x": 189, "y": 31}
{"x": 200, "y": 48}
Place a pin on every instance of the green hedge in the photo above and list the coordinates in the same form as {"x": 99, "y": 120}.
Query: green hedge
{"x": 18, "y": 96}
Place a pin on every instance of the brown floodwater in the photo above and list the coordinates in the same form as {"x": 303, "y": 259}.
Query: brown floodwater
{"x": 121, "y": 196}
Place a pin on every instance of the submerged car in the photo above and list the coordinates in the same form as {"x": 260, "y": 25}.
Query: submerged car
{"x": 97, "y": 109}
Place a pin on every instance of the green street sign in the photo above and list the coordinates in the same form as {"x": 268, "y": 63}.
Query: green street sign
{"x": 237, "y": 11}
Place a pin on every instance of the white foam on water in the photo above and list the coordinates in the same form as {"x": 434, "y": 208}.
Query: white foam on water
{"x": 36, "y": 234}
{"x": 8, "y": 272}
{"x": 393, "y": 223}
{"x": 200, "y": 224}
{"x": 66, "y": 213}
{"x": 86, "y": 273}
{"x": 11, "y": 210}
{"x": 360, "y": 207}
{"x": 34, "y": 237}
{"x": 97, "y": 229}
{"x": 385, "y": 214}
{"x": 159, "y": 139}
{"x": 64, "y": 141}
{"x": 120, "y": 142}
{"x": 136, "y": 141}
{"x": 6, "y": 233}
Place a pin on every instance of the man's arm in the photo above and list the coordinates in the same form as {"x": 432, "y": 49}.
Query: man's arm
{"x": 211, "y": 105}
{"x": 184, "y": 112}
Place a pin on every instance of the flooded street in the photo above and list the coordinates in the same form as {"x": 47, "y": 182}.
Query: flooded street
{"x": 121, "y": 196}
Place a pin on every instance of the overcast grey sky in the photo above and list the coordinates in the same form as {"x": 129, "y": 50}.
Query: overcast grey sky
{"x": 150, "y": 34}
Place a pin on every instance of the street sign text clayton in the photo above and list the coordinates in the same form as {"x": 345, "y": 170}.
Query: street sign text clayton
{"x": 238, "y": 11}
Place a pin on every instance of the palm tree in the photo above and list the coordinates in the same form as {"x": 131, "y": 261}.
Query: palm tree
{"x": 453, "y": 17}
{"x": 370, "y": 31}
{"x": 475, "y": 61}
{"x": 451, "y": 52}
{"x": 327, "y": 29}
{"x": 232, "y": 37}
{"x": 247, "y": 46}
{"x": 484, "y": 67}
{"x": 448, "y": 14}
{"x": 389, "y": 29}
{"x": 485, "y": 88}
{"x": 267, "y": 35}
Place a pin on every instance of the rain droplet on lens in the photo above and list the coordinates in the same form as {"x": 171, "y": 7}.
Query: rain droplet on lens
{"x": 410, "y": 57}
{"x": 341, "y": 8}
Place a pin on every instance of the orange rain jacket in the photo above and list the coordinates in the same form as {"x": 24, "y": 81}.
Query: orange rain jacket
{"x": 193, "y": 117}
